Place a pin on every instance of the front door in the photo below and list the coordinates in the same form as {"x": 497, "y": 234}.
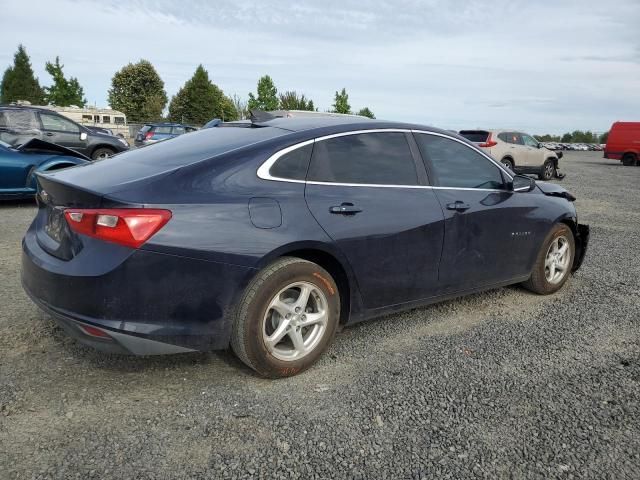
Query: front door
{"x": 364, "y": 192}
{"x": 488, "y": 229}
{"x": 61, "y": 131}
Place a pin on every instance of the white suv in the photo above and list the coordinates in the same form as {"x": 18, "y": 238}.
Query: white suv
{"x": 518, "y": 151}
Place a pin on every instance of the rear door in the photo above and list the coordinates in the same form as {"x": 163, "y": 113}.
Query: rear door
{"x": 61, "y": 131}
{"x": 488, "y": 229}
{"x": 364, "y": 190}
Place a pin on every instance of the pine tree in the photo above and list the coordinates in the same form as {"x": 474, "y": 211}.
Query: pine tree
{"x": 19, "y": 81}
{"x": 267, "y": 96}
{"x": 341, "y": 102}
{"x": 200, "y": 100}
{"x": 365, "y": 112}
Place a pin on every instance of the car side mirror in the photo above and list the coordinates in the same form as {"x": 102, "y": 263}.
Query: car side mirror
{"x": 522, "y": 183}
{"x": 83, "y": 136}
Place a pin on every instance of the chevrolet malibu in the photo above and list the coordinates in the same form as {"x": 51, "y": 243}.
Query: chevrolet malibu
{"x": 269, "y": 236}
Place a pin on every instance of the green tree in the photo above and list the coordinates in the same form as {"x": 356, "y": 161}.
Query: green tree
{"x": 138, "y": 91}
{"x": 341, "y": 102}
{"x": 566, "y": 138}
{"x": 240, "y": 106}
{"x": 603, "y": 138}
{"x": 63, "y": 92}
{"x": 290, "y": 100}
{"x": 19, "y": 81}
{"x": 200, "y": 100}
{"x": 365, "y": 112}
{"x": 267, "y": 98}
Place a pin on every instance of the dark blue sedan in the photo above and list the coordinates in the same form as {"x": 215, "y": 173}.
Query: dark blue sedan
{"x": 18, "y": 166}
{"x": 266, "y": 237}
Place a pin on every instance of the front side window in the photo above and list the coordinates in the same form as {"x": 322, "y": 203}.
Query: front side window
{"x": 58, "y": 123}
{"x": 529, "y": 141}
{"x": 293, "y": 165}
{"x": 381, "y": 158}
{"x": 457, "y": 165}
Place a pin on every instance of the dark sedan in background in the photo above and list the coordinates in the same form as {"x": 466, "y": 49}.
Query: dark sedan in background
{"x": 157, "y": 132}
{"x": 268, "y": 238}
{"x": 21, "y": 123}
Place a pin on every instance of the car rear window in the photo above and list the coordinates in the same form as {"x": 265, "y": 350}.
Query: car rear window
{"x": 145, "y": 129}
{"x": 477, "y": 136}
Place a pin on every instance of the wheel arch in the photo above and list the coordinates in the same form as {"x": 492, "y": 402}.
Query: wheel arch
{"x": 510, "y": 158}
{"x": 332, "y": 260}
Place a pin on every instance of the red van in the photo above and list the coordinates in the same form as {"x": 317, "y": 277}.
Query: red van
{"x": 623, "y": 143}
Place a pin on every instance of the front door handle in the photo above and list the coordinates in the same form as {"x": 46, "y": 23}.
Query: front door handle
{"x": 458, "y": 206}
{"x": 345, "y": 208}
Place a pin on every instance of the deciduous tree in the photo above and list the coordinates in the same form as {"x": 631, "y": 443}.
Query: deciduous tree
{"x": 365, "y": 112}
{"x": 290, "y": 100}
{"x": 138, "y": 91}
{"x": 341, "y": 102}
{"x": 63, "y": 92}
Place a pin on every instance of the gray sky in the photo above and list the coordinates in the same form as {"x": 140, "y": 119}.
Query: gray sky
{"x": 542, "y": 66}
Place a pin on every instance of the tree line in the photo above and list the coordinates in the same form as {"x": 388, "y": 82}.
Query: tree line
{"x": 138, "y": 91}
{"x": 577, "y": 136}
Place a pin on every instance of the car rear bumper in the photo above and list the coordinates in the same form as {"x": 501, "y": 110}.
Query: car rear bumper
{"x": 148, "y": 303}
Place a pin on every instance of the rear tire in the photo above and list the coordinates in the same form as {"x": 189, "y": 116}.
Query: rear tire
{"x": 102, "y": 153}
{"x": 548, "y": 170}
{"x": 287, "y": 318}
{"x": 629, "y": 160}
{"x": 552, "y": 268}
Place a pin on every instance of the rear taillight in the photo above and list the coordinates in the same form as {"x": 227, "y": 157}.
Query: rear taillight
{"x": 488, "y": 143}
{"x": 148, "y": 135}
{"x": 95, "y": 332}
{"x": 131, "y": 227}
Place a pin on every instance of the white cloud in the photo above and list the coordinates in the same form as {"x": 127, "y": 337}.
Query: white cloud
{"x": 541, "y": 66}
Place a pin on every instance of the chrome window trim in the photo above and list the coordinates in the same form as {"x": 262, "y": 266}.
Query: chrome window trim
{"x": 264, "y": 174}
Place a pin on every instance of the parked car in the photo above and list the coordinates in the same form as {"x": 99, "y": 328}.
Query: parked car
{"x": 520, "y": 152}
{"x": 623, "y": 143}
{"x": 19, "y": 124}
{"x": 18, "y": 166}
{"x": 267, "y": 239}
{"x": 157, "y": 132}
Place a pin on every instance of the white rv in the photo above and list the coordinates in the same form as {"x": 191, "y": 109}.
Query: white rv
{"x": 96, "y": 117}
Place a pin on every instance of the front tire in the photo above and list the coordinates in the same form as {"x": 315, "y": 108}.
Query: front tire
{"x": 287, "y": 318}
{"x": 102, "y": 153}
{"x": 554, "y": 262}
{"x": 507, "y": 162}
{"x": 548, "y": 170}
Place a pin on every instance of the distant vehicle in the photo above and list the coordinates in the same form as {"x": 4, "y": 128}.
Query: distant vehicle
{"x": 259, "y": 115}
{"x": 518, "y": 151}
{"x": 623, "y": 143}
{"x": 21, "y": 123}
{"x": 157, "y": 132}
{"x": 18, "y": 166}
{"x": 95, "y": 117}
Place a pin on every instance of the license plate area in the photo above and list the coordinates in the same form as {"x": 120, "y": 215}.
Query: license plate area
{"x": 55, "y": 223}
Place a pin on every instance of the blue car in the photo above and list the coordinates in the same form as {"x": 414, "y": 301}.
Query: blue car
{"x": 18, "y": 166}
{"x": 267, "y": 238}
{"x": 157, "y": 132}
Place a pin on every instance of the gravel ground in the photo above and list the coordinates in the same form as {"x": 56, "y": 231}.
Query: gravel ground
{"x": 504, "y": 384}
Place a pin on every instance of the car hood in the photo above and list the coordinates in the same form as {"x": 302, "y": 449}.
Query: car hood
{"x": 555, "y": 190}
{"x": 36, "y": 145}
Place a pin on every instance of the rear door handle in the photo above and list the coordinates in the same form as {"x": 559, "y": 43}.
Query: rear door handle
{"x": 345, "y": 209}
{"x": 49, "y": 134}
{"x": 458, "y": 206}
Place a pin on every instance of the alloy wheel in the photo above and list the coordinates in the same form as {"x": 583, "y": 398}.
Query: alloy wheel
{"x": 295, "y": 321}
{"x": 556, "y": 265}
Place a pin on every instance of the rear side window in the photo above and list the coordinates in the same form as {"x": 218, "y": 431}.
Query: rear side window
{"x": 178, "y": 130}
{"x": 293, "y": 165}
{"x": 513, "y": 138}
{"x": 162, "y": 129}
{"x": 476, "y": 136}
{"x": 457, "y": 165}
{"x": 20, "y": 119}
{"x": 382, "y": 158}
